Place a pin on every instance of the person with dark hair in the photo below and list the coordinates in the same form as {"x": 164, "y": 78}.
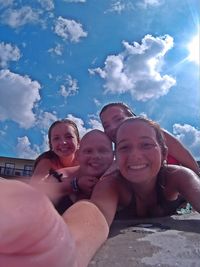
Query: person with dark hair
{"x": 68, "y": 185}
{"x": 113, "y": 114}
{"x": 64, "y": 141}
{"x": 144, "y": 186}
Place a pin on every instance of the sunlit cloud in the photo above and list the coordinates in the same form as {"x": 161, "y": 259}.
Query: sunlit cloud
{"x": 8, "y": 52}
{"x": 47, "y": 4}
{"x": 69, "y": 88}
{"x": 189, "y": 136}
{"x": 24, "y": 149}
{"x": 69, "y": 30}
{"x": 19, "y": 17}
{"x": 21, "y": 95}
{"x": 193, "y": 48}
{"x": 137, "y": 70}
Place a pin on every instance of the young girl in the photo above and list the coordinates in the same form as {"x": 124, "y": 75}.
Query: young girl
{"x": 73, "y": 239}
{"x": 63, "y": 143}
{"x": 113, "y": 114}
{"x": 145, "y": 186}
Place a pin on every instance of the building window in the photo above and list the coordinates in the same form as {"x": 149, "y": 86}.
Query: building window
{"x": 27, "y": 170}
{"x": 9, "y": 169}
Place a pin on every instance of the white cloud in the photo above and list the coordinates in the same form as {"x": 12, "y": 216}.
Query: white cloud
{"x": 137, "y": 69}
{"x": 119, "y": 6}
{"x": 189, "y": 136}
{"x": 58, "y": 50}
{"x": 80, "y": 124}
{"x": 95, "y": 124}
{"x": 18, "y": 17}
{"x": 75, "y": 1}
{"x": 69, "y": 30}
{"x": 24, "y": 149}
{"x": 69, "y": 88}
{"x": 8, "y": 53}
{"x": 47, "y": 4}
{"x": 18, "y": 95}
{"x": 5, "y": 3}
{"x": 97, "y": 102}
{"x": 146, "y": 3}
{"x": 45, "y": 119}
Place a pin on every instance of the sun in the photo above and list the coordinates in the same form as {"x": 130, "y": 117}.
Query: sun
{"x": 193, "y": 48}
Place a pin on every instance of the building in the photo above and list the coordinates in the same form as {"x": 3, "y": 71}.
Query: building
{"x": 16, "y": 168}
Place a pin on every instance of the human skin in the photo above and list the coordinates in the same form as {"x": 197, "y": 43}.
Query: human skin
{"x": 95, "y": 157}
{"x": 113, "y": 116}
{"x": 64, "y": 142}
{"x": 65, "y": 241}
{"x": 73, "y": 239}
{"x": 23, "y": 242}
{"x": 139, "y": 158}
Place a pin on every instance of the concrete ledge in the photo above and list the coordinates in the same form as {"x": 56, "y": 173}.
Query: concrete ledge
{"x": 164, "y": 242}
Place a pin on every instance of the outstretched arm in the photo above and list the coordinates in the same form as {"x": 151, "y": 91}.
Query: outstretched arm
{"x": 180, "y": 153}
{"x": 41, "y": 170}
{"x": 33, "y": 234}
{"x": 187, "y": 183}
{"x": 106, "y": 195}
{"x": 89, "y": 229}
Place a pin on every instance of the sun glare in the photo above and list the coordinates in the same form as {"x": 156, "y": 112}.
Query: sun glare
{"x": 193, "y": 48}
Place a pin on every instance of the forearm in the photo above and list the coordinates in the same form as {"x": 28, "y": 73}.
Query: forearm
{"x": 53, "y": 190}
{"x": 32, "y": 232}
{"x": 89, "y": 229}
{"x": 188, "y": 185}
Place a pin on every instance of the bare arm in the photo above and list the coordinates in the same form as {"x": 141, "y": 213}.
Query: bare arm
{"x": 42, "y": 169}
{"x": 88, "y": 228}
{"x": 187, "y": 183}
{"x": 54, "y": 190}
{"x": 32, "y": 232}
{"x": 40, "y": 236}
{"x": 179, "y": 152}
{"x": 106, "y": 196}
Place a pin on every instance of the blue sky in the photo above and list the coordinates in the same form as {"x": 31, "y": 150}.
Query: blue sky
{"x": 68, "y": 58}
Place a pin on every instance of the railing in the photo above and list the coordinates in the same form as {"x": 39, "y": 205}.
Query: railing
{"x": 14, "y": 172}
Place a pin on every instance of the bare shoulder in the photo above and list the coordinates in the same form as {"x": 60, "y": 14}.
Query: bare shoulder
{"x": 175, "y": 174}
{"x": 44, "y": 162}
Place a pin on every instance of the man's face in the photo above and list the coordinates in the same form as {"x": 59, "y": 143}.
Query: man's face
{"x": 95, "y": 154}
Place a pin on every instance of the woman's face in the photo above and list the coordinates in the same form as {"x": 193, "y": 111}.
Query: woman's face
{"x": 95, "y": 154}
{"x": 63, "y": 139}
{"x": 111, "y": 118}
{"x": 138, "y": 153}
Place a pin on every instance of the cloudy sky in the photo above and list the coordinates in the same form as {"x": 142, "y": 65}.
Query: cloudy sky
{"x": 68, "y": 58}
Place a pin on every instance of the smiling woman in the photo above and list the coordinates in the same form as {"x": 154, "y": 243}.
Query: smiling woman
{"x": 193, "y": 48}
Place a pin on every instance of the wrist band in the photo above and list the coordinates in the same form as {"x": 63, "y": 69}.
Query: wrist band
{"x": 56, "y": 175}
{"x": 74, "y": 185}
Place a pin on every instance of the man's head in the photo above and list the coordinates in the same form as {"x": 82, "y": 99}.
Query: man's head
{"x": 95, "y": 154}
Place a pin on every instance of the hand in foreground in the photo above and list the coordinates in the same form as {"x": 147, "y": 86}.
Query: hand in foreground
{"x": 32, "y": 233}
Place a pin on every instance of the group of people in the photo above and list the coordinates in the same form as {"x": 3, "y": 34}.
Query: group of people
{"x": 149, "y": 173}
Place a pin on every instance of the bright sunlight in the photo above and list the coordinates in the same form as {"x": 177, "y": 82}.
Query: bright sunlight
{"x": 193, "y": 48}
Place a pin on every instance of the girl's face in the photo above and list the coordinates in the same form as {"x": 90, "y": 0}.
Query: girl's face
{"x": 111, "y": 118}
{"x": 138, "y": 153}
{"x": 63, "y": 140}
{"x": 95, "y": 154}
